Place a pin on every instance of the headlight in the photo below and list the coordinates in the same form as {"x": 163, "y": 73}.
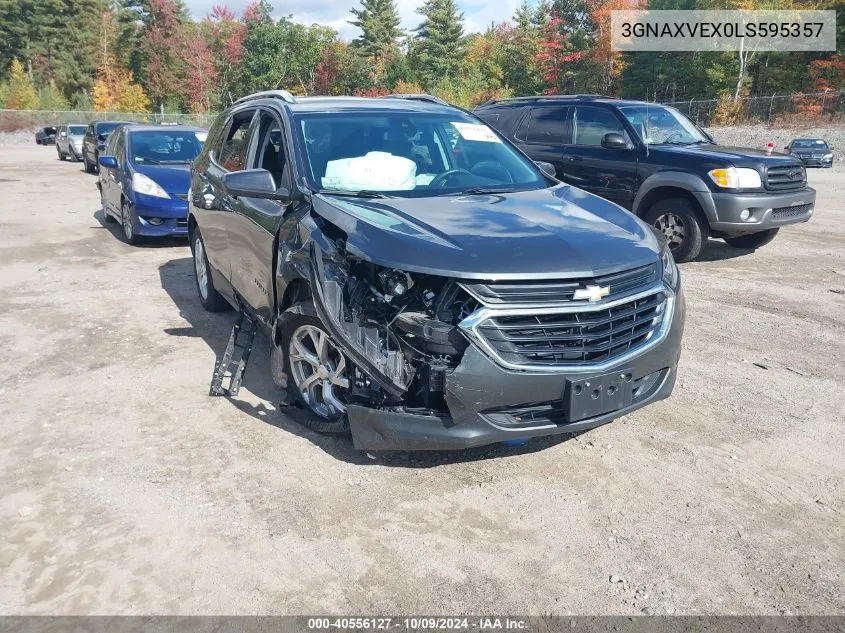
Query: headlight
{"x": 828, "y": 156}
{"x": 736, "y": 178}
{"x": 147, "y": 186}
{"x": 671, "y": 274}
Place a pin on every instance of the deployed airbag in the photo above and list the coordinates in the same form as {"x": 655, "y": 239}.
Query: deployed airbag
{"x": 380, "y": 171}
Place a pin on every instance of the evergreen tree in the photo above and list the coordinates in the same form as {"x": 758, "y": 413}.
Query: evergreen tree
{"x": 439, "y": 46}
{"x": 379, "y": 24}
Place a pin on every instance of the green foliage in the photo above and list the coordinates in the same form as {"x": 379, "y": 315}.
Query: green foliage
{"x": 84, "y": 53}
{"x": 438, "y": 46}
{"x": 379, "y": 24}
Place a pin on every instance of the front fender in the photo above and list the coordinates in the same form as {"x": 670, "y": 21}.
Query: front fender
{"x": 691, "y": 183}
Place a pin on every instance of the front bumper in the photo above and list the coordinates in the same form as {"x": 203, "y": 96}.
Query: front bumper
{"x": 816, "y": 162}
{"x": 768, "y": 210}
{"x": 488, "y": 403}
{"x": 172, "y": 212}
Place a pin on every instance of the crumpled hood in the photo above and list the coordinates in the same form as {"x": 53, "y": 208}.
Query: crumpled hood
{"x": 544, "y": 234}
{"x": 171, "y": 178}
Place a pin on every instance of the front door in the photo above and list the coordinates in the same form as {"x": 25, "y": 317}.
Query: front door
{"x": 256, "y": 221}
{"x": 215, "y": 221}
{"x": 609, "y": 173}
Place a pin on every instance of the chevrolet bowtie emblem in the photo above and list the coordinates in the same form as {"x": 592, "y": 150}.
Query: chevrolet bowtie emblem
{"x": 591, "y": 293}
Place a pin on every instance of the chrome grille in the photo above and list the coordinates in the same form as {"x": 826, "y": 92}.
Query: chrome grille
{"x": 782, "y": 177}
{"x": 561, "y": 291}
{"x": 574, "y": 337}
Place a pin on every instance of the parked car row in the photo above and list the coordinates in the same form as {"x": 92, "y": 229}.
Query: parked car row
{"x": 429, "y": 277}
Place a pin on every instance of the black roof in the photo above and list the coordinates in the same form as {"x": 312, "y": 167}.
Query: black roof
{"x": 536, "y": 99}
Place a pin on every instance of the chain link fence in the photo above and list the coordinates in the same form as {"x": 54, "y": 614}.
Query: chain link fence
{"x": 14, "y": 120}
{"x": 775, "y": 111}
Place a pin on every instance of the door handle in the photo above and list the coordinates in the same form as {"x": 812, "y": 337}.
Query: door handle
{"x": 574, "y": 159}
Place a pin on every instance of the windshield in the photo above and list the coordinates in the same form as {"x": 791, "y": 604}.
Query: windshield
{"x": 105, "y": 128}
{"x": 809, "y": 144}
{"x": 660, "y": 125}
{"x": 410, "y": 154}
{"x": 165, "y": 147}
{"x": 76, "y": 130}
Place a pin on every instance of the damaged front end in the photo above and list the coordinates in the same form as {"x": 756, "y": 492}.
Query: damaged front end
{"x": 400, "y": 330}
{"x": 440, "y": 363}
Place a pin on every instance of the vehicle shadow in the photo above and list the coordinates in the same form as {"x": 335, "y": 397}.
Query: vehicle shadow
{"x": 155, "y": 242}
{"x": 717, "y": 251}
{"x": 177, "y": 279}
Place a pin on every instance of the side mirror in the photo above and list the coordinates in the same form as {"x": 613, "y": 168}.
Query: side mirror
{"x": 787, "y": 148}
{"x": 546, "y": 168}
{"x": 109, "y": 162}
{"x": 614, "y": 140}
{"x": 253, "y": 183}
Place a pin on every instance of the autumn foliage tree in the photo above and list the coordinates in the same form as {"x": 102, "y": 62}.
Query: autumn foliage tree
{"x": 162, "y": 43}
{"x": 21, "y": 91}
{"x": 201, "y": 74}
{"x": 553, "y": 55}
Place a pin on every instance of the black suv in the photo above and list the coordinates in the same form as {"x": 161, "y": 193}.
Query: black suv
{"x": 654, "y": 161}
{"x": 94, "y": 142}
{"x": 423, "y": 283}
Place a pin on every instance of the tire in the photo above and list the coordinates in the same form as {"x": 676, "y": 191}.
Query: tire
{"x": 59, "y": 152}
{"x": 683, "y": 224}
{"x": 128, "y": 231}
{"x": 88, "y": 167}
{"x": 303, "y": 325}
{"x": 753, "y": 240}
{"x": 210, "y": 299}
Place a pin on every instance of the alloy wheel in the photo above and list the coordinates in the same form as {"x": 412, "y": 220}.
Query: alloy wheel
{"x": 127, "y": 224}
{"x": 318, "y": 369}
{"x": 673, "y": 228}
{"x": 200, "y": 268}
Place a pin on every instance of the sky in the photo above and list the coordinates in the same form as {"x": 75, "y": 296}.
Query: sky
{"x": 478, "y": 14}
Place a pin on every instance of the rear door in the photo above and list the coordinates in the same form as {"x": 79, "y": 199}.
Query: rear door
{"x": 609, "y": 173}
{"x": 544, "y": 133}
{"x": 255, "y": 221}
{"x": 109, "y": 178}
{"x": 215, "y": 222}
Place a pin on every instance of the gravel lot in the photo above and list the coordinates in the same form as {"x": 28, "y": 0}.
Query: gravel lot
{"x": 124, "y": 488}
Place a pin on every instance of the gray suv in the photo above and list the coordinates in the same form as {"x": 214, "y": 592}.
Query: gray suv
{"x": 69, "y": 141}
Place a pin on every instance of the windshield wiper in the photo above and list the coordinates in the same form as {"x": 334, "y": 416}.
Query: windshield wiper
{"x": 482, "y": 190}
{"x": 362, "y": 193}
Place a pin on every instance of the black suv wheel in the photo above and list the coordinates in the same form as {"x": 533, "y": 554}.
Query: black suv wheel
{"x": 211, "y": 300}
{"x": 681, "y": 223}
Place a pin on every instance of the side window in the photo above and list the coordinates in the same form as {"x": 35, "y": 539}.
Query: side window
{"x": 591, "y": 124}
{"x": 119, "y": 146}
{"x": 270, "y": 153}
{"x": 232, "y": 154}
{"x": 549, "y": 126}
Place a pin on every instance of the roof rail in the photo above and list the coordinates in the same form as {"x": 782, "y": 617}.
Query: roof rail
{"x": 284, "y": 95}
{"x": 416, "y": 97}
{"x": 583, "y": 97}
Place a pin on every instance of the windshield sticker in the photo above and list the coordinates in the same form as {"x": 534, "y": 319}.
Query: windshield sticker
{"x": 476, "y": 132}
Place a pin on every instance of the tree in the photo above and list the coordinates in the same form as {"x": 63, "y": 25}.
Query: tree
{"x": 379, "y": 24}
{"x": 438, "y": 46}
{"x": 201, "y": 76}
{"x": 162, "y": 43}
{"x": 224, "y": 36}
{"x": 21, "y": 93}
{"x": 554, "y": 53}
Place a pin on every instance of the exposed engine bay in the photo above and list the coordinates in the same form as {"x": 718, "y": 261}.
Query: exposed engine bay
{"x": 404, "y": 325}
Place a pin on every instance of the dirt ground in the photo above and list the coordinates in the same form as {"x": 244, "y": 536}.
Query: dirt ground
{"x": 124, "y": 488}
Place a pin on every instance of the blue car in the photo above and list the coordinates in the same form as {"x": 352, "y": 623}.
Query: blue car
{"x": 144, "y": 179}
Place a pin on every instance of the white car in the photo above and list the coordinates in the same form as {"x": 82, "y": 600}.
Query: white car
{"x": 69, "y": 141}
